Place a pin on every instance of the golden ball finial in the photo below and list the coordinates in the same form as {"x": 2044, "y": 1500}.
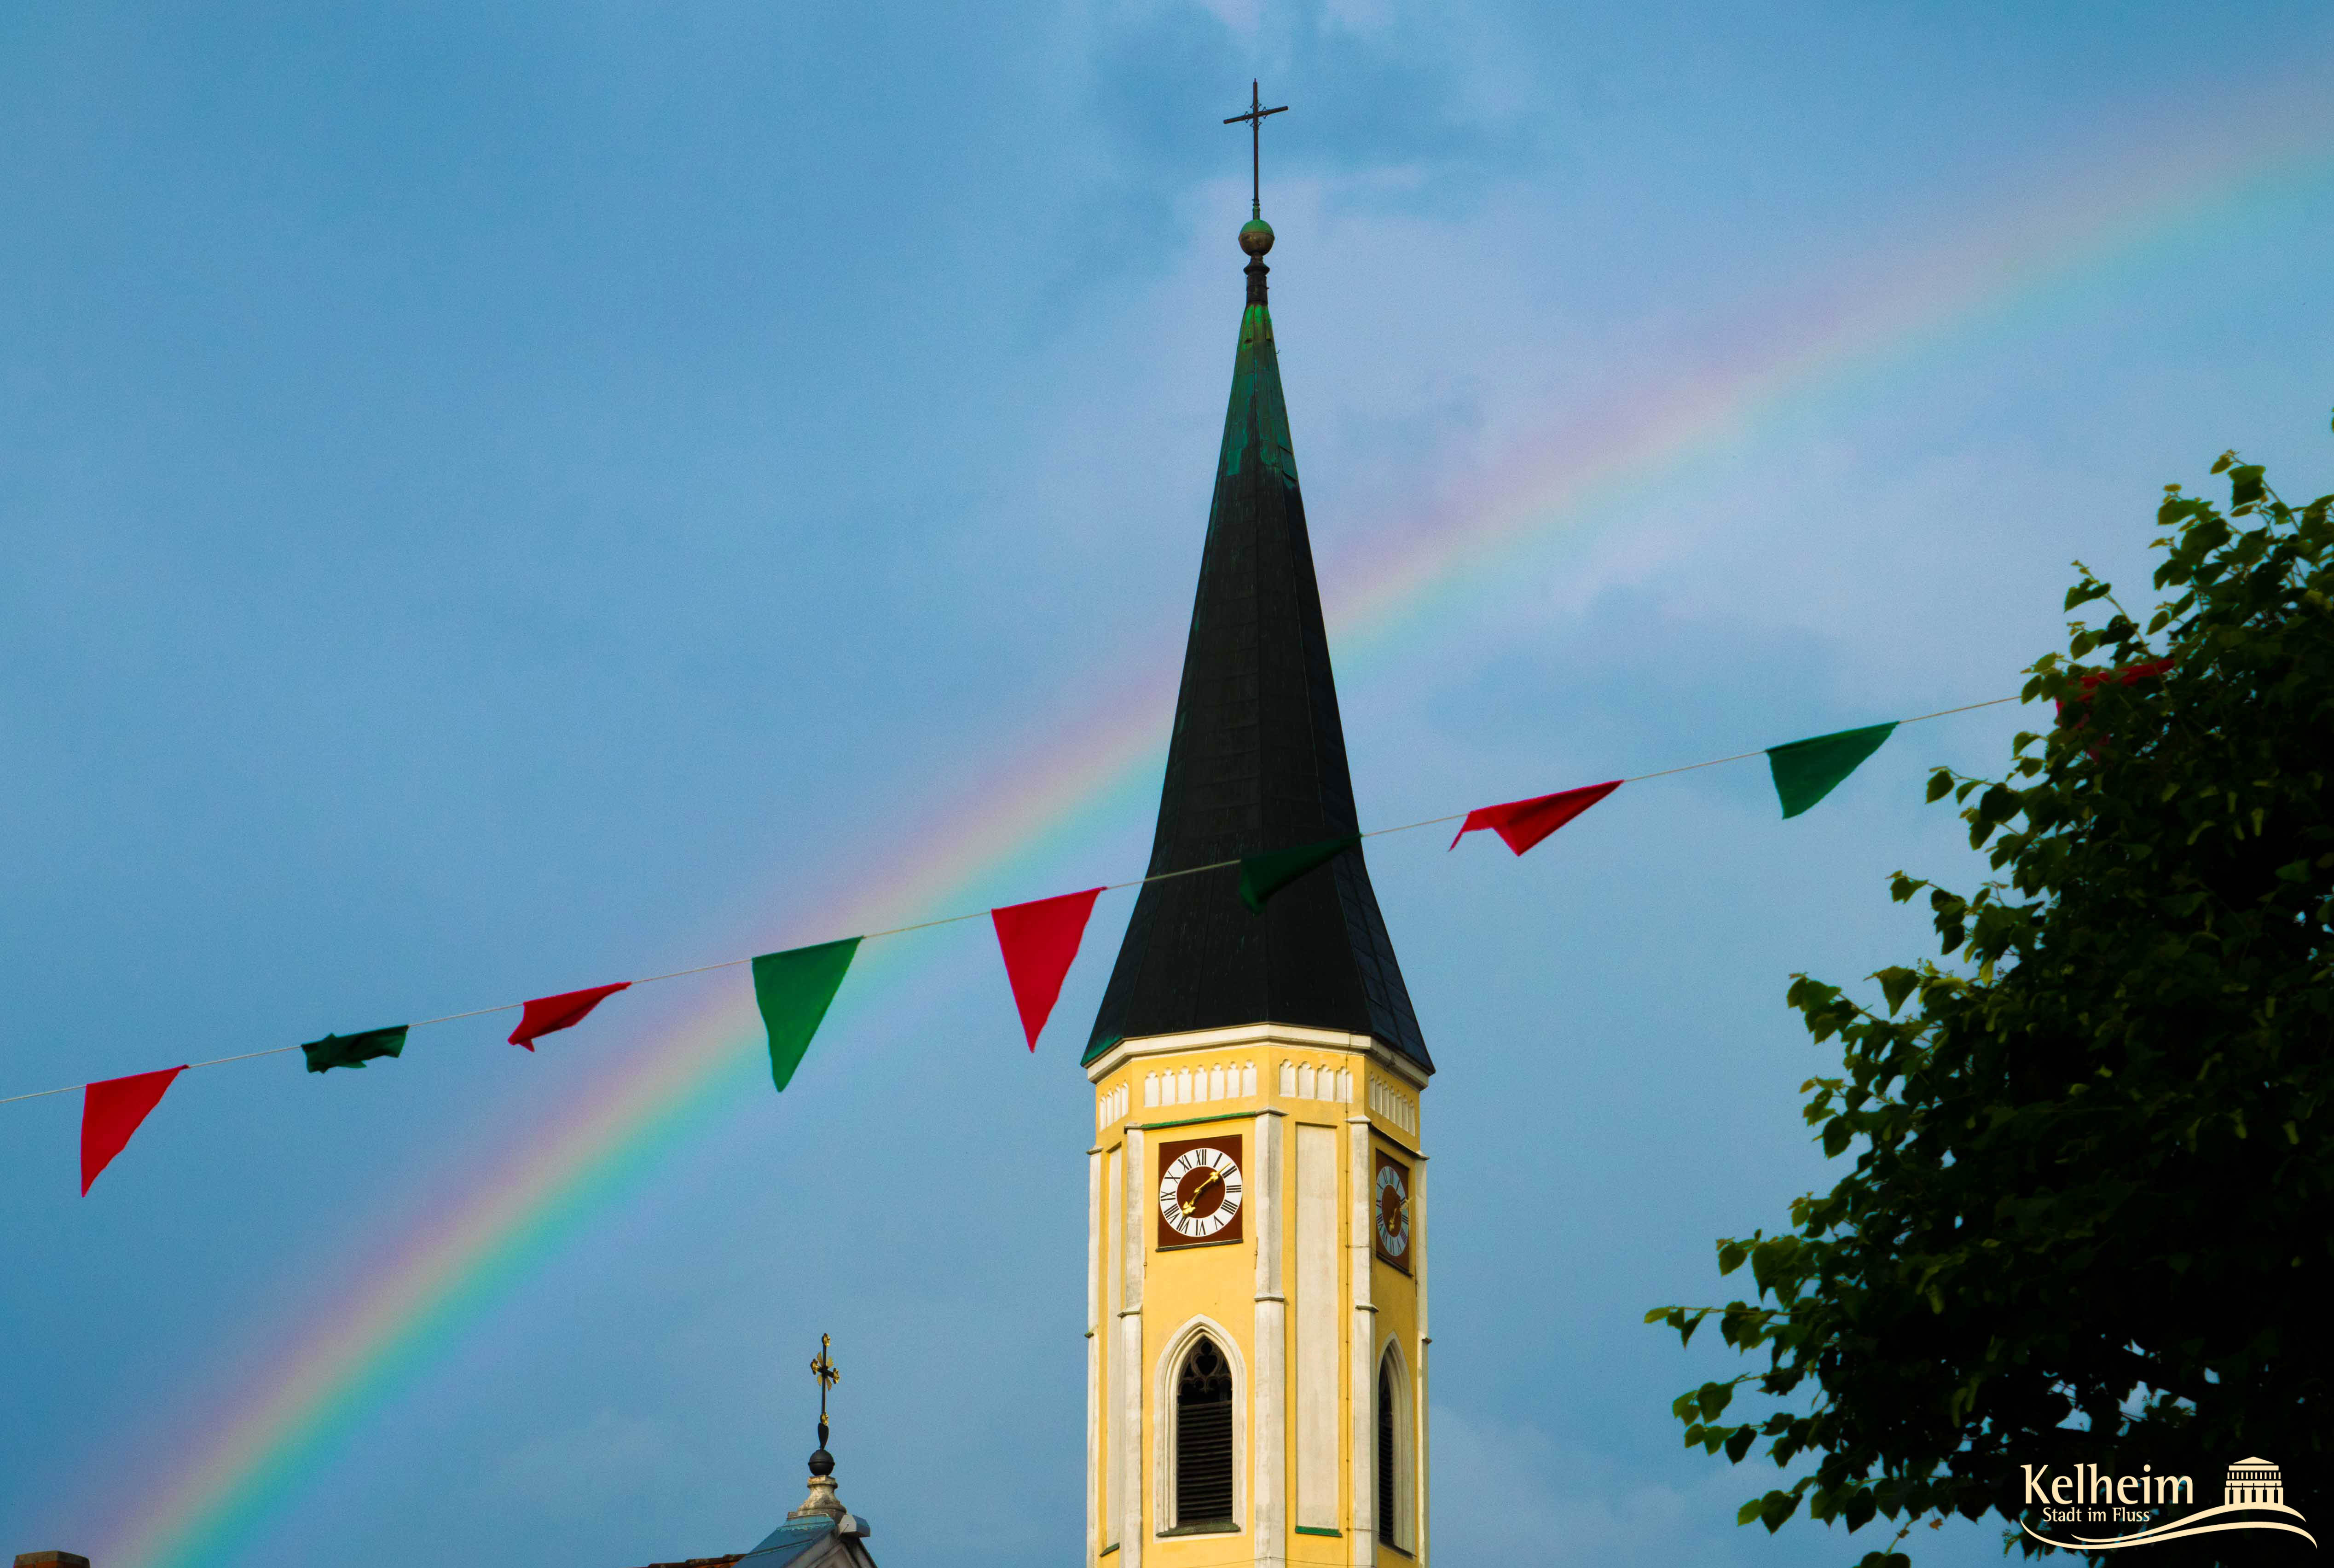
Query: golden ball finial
{"x": 1256, "y": 236}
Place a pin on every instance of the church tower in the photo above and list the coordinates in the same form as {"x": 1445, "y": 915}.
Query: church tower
{"x": 1257, "y": 1334}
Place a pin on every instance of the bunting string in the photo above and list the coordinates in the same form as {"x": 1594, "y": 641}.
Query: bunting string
{"x": 977, "y": 914}
{"x": 1038, "y": 939}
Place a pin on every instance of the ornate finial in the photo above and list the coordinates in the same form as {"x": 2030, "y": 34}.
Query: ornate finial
{"x": 1255, "y": 235}
{"x": 822, "y": 1367}
{"x": 822, "y": 1498}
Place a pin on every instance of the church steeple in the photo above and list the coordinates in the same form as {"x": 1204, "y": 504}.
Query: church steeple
{"x": 1257, "y": 762}
{"x": 1256, "y": 1187}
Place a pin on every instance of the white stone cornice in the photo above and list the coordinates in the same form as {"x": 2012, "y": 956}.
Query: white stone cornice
{"x": 1376, "y": 1050}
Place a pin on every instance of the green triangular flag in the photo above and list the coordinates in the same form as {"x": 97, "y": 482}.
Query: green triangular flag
{"x": 354, "y": 1050}
{"x": 794, "y": 989}
{"x": 1807, "y": 770}
{"x": 1262, "y": 876}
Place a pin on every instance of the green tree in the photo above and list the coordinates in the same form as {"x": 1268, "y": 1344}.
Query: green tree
{"x": 2091, "y": 1215}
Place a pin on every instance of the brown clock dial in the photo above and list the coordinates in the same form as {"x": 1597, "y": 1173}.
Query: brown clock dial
{"x": 1389, "y": 1190}
{"x": 1201, "y": 1191}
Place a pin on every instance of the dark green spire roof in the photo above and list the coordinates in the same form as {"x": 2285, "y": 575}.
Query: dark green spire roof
{"x": 1257, "y": 762}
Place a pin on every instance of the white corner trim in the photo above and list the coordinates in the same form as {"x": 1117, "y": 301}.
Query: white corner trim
{"x": 1097, "y": 1270}
{"x": 1127, "y": 1442}
{"x": 1269, "y": 1487}
{"x": 1360, "y": 1518}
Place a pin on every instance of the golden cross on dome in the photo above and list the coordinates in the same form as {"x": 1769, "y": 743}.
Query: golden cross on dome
{"x": 822, "y": 1367}
{"x": 1255, "y": 118}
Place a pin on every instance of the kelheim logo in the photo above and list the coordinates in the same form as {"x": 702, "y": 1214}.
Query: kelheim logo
{"x": 2085, "y": 1496}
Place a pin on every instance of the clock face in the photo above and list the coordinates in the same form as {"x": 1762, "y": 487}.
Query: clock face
{"x": 1199, "y": 1191}
{"x": 1392, "y": 1193}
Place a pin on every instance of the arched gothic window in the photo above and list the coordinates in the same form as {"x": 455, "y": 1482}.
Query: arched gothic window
{"x": 1203, "y": 1438}
{"x": 1397, "y": 1510}
{"x": 1389, "y": 1461}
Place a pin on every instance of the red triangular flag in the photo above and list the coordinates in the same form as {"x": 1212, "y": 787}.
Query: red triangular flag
{"x": 1524, "y": 824}
{"x": 2125, "y": 674}
{"x": 111, "y": 1111}
{"x": 1038, "y": 939}
{"x": 549, "y": 1015}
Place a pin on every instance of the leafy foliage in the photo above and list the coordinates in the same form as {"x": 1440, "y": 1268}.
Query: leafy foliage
{"x": 2091, "y": 1217}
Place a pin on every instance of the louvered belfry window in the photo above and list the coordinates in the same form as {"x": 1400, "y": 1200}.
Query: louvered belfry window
{"x": 1204, "y": 1438}
{"x": 1387, "y": 1458}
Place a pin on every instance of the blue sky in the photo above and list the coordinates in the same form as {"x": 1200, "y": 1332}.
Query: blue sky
{"x": 502, "y": 500}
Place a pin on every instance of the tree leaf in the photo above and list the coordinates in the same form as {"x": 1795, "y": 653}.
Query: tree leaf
{"x": 1775, "y": 1507}
{"x": 1896, "y": 983}
{"x": 2084, "y": 591}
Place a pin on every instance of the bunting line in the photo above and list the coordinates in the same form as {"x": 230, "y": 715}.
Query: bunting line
{"x": 980, "y": 914}
{"x": 1642, "y": 777}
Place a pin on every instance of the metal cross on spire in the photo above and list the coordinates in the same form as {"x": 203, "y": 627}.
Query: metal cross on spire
{"x": 822, "y": 1367}
{"x": 1255, "y": 117}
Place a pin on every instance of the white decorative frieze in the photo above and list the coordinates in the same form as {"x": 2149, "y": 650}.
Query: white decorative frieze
{"x": 1393, "y": 1105}
{"x": 1110, "y": 1107}
{"x": 1314, "y": 1080}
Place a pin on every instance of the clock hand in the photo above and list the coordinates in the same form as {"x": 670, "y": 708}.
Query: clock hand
{"x": 1212, "y": 1175}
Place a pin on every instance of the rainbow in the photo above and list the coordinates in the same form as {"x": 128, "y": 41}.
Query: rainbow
{"x": 413, "y": 1297}
{"x": 387, "y": 1325}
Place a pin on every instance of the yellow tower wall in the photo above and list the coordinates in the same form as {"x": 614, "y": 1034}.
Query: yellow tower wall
{"x": 1299, "y": 1303}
